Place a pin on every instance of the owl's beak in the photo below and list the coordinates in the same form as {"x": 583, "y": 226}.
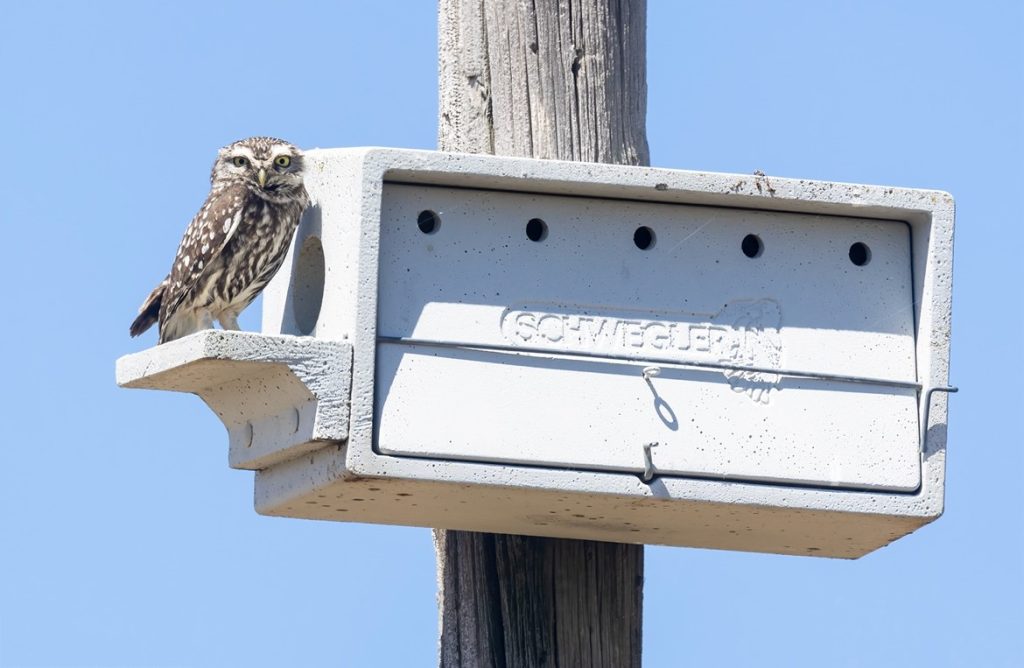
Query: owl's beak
{"x": 261, "y": 176}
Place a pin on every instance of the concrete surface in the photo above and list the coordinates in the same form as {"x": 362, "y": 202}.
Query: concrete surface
{"x": 393, "y": 306}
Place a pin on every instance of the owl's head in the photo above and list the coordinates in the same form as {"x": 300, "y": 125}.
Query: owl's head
{"x": 270, "y": 167}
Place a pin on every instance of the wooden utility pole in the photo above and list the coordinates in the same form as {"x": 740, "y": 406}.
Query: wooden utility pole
{"x": 558, "y": 79}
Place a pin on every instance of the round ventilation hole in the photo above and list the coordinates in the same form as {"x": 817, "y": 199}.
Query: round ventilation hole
{"x": 752, "y": 246}
{"x": 428, "y": 222}
{"x": 644, "y": 238}
{"x": 860, "y": 254}
{"x": 536, "y": 230}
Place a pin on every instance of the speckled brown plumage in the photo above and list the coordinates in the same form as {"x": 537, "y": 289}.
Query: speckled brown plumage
{"x": 235, "y": 244}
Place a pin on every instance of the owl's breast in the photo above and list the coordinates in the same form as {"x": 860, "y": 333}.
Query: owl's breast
{"x": 255, "y": 253}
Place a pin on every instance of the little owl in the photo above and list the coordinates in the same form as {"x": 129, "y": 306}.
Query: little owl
{"x": 235, "y": 244}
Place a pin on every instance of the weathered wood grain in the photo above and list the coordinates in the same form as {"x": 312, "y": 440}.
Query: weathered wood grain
{"x": 561, "y": 79}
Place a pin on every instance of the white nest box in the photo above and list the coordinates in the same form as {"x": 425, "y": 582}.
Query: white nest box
{"x": 593, "y": 351}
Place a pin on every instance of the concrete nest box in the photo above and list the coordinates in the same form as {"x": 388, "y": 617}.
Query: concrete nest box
{"x": 593, "y": 351}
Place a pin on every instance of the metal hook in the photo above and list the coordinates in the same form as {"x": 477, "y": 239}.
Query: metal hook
{"x": 648, "y": 475}
{"x": 949, "y": 389}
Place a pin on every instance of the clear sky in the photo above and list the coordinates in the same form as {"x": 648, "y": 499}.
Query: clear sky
{"x": 127, "y": 541}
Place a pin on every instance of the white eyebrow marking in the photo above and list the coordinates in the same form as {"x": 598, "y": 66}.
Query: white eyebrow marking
{"x": 243, "y": 151}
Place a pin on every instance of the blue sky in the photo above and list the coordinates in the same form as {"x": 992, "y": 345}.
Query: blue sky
{"x": 127, "y": 541}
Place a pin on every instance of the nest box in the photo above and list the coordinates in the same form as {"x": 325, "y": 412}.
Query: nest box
{"x": 593, "y": 351}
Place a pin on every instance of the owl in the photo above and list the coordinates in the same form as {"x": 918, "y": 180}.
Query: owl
{"x": 235, "y": 244}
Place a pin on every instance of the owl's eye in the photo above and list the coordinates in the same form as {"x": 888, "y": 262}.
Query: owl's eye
{"x": 240, "y": 161}
{"x": 282, "y": 161}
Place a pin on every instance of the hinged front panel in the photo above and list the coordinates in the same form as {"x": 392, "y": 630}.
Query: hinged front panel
{"x": 516, "y": 327}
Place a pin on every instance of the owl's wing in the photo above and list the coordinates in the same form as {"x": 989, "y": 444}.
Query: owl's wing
{"x": 205, "y": 238}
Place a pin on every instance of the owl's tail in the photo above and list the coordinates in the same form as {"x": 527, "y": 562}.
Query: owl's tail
{"x": 149, "y": 312}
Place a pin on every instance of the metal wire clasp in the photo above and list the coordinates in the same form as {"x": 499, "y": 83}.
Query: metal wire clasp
{"x": 648, "y": 475}
{"x": 949, "y": 389}
{"x": 651, "y": 372}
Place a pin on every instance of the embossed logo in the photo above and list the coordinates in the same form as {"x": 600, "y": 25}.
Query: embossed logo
{"x": 745, "y": 333}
